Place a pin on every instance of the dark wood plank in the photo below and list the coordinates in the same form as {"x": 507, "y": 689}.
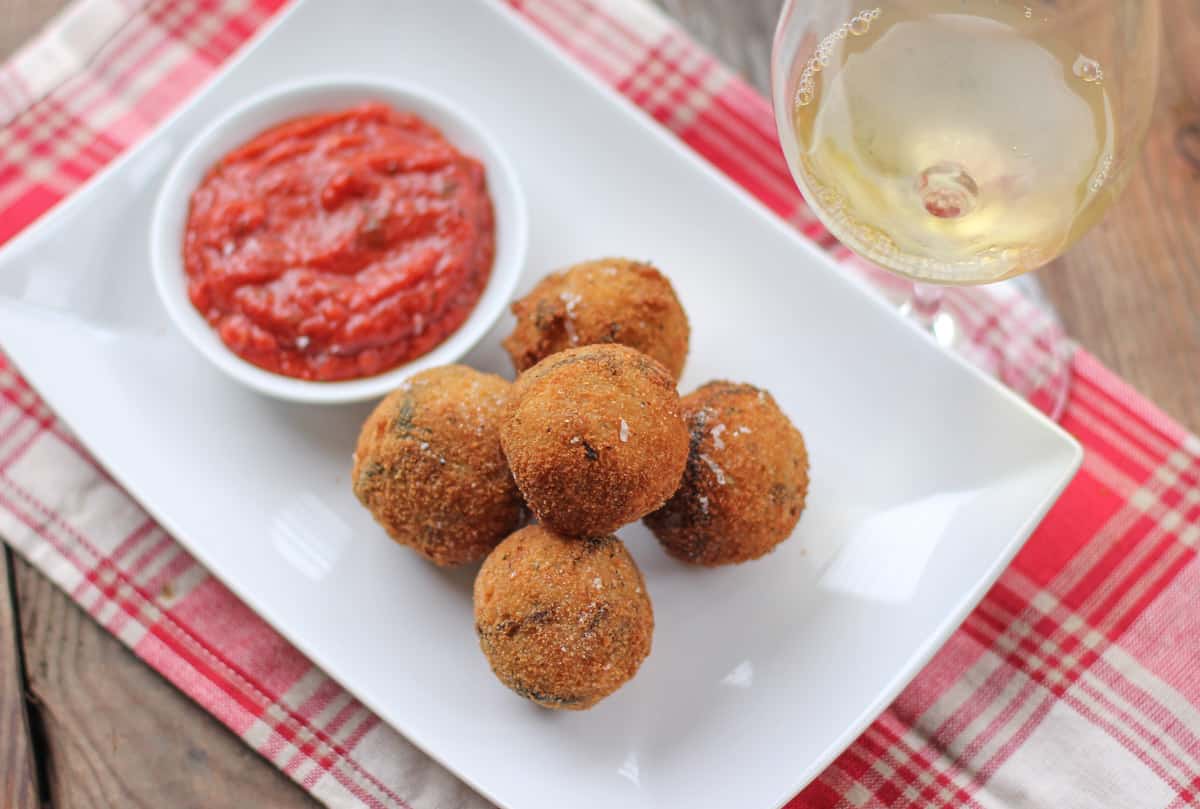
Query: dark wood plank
{"x": 118, "y": 734}
{"x": 18, "y": 785}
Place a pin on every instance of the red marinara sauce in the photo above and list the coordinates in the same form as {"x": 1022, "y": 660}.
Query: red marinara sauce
{"x": 340, "y": 245}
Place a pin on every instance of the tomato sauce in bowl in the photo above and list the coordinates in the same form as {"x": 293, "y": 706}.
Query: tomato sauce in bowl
{"x": 340, "y": 245}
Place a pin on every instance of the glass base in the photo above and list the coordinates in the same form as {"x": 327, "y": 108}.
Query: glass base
{"x": 1007, "y": 329}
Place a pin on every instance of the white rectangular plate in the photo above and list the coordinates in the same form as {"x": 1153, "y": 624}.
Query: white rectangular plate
{"x": 926, "y": 477}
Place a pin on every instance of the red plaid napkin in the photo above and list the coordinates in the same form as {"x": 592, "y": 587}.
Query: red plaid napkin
{"x": 1076, "y": 683}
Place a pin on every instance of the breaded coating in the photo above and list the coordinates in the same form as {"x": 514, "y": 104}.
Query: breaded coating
{"x": 595, "y": 438}
{"x": 563, "y": 622}
{"x": 430, "y": 469}
{"x": 613, "y": 300}
{"x": 745, "y": 483}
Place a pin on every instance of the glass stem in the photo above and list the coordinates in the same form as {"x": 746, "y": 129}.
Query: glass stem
{"x": 926, "y": 303}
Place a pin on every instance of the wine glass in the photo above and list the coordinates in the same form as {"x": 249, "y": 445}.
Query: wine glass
{"x": 963, "y": 142}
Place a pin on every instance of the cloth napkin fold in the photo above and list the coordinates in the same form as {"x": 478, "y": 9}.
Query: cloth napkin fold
{"x": 1076, "y": 683}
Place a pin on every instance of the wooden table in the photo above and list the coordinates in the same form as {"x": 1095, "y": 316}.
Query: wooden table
{"x": 84, "y": 723}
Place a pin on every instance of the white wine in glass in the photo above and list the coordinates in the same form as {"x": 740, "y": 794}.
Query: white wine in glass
{"x": 961, "y": 142}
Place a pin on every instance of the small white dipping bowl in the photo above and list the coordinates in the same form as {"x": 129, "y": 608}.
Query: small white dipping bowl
{"x": 328, "y": 94}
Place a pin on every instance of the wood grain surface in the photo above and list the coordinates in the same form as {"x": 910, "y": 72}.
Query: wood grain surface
{"x": 1130, "y": 290}
{"x": 114, "y": 733}
{"x": 18, "y": 776}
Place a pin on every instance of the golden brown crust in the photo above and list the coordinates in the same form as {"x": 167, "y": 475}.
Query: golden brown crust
{"x": 430, "y": 469}
{"x": 746, "y": 478}
{"x": 563, "y": 622}
{"x": 613, "y": 300}
{"x": 595, "y": 438}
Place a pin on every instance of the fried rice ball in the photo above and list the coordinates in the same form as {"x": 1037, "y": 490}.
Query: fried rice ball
{"x": 595, "y": 438}
{"x": 745, "y": 483}
{"x": 614, "y": 300}
{"x": 563, "y": 622}
{"x": 429, "y": 466}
